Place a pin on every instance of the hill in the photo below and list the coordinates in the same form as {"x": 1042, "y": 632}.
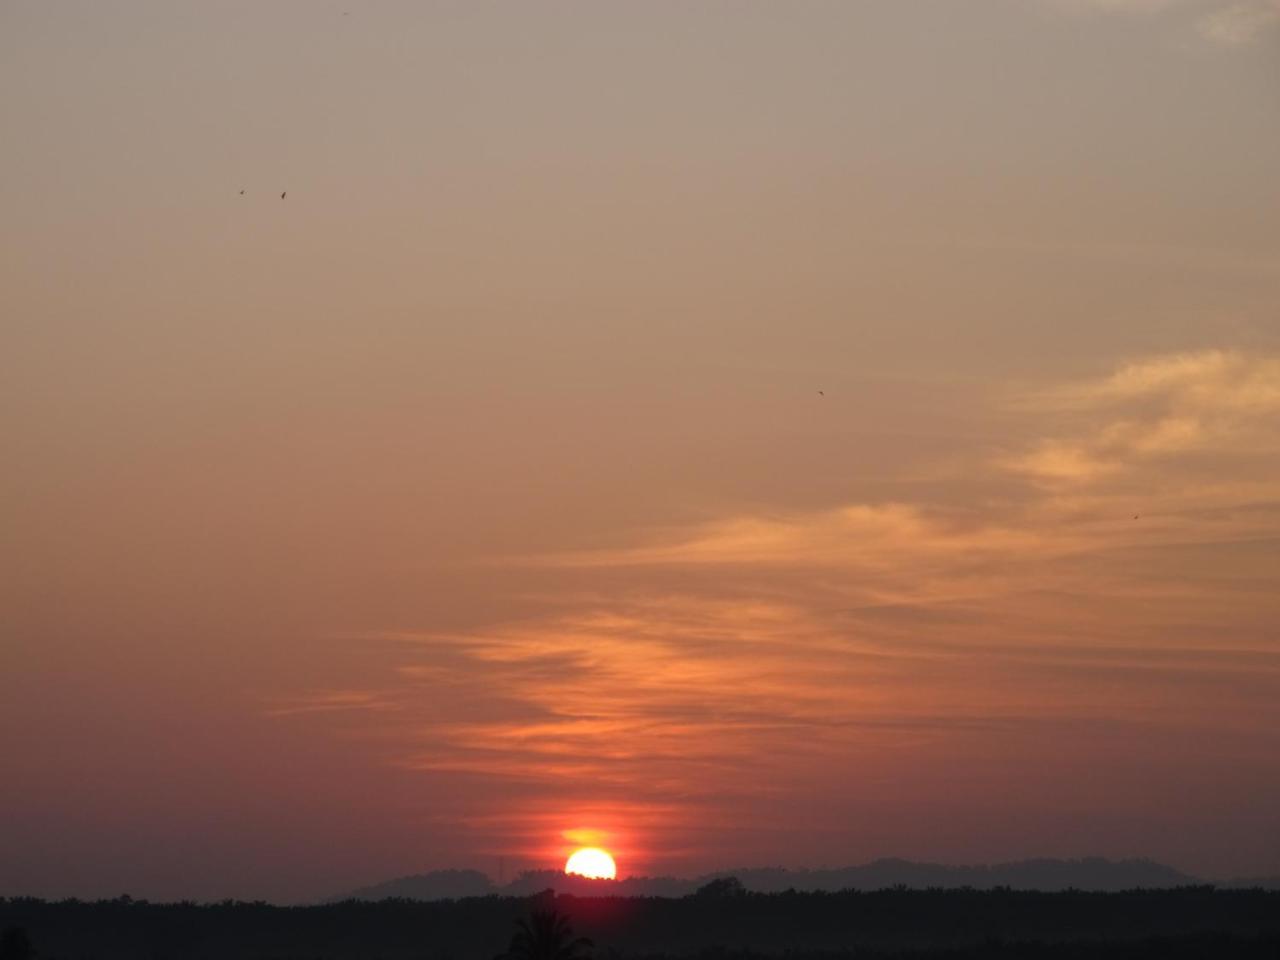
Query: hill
{"x": 436, "y": 885}
{"x": 1093, "y": 873}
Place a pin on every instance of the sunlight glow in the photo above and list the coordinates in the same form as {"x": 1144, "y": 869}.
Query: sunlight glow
{"x": 592, "y": 862}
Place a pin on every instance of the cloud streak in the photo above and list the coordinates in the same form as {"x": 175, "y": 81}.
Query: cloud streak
{"x": 1214, "y": 401}
{"x": 738, "y": 661}
{"x": 1240, "y": 23}
{"x": 1223, "y": 24}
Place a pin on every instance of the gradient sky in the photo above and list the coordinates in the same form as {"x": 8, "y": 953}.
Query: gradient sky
{"x": 481, "y": 491}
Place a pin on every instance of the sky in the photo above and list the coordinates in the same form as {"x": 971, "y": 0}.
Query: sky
{"x": 732, "y": 433}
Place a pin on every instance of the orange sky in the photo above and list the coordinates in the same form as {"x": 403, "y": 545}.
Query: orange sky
{"x": 481, "y": 490}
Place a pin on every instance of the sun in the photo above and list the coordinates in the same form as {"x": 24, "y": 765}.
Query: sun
{"x": 592, "y": 862}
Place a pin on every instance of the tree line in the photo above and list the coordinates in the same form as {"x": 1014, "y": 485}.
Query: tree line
{"x": 722, "y": 920}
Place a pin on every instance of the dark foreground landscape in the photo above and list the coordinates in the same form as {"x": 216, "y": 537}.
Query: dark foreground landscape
{"x": 723, "y": 923}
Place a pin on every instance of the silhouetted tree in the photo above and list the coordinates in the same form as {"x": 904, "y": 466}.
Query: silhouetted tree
{"x": 721, "y": 887}
{"x": 547, "y": 935}
{"x": 1188, "y": 923}
{"x": 14, "y": 944}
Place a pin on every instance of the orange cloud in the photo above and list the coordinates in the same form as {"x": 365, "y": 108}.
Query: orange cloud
{"x": 749, "y": 657}
{"x": 1213, "y": 401}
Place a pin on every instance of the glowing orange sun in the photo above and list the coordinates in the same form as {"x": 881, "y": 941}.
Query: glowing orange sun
{"x": 592, "y": 862}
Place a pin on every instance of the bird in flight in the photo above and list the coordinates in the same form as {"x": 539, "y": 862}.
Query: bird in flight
{"x": 282, "y": 195}
{"x": 1135, "y": 516}
{"x": 242, "y": 193}
{"x": 821, "y": 394}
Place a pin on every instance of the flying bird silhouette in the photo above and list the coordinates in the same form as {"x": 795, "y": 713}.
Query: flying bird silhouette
{"x": 242, "y": 193}
{"x": 282, "y": 195}
{"x": 821, "y": 394}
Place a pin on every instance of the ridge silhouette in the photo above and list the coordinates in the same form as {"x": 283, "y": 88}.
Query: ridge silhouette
{"x": 1090, "y": 873}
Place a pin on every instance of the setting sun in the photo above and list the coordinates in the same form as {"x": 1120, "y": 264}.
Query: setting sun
{"x": 592, "y": 862}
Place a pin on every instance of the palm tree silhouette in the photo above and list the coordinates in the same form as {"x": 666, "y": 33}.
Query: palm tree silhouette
{"x": 546, "y": 935}
{"x": 14, "y": 944}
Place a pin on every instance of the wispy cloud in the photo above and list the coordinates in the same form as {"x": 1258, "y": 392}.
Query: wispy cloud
{"x": 330, "y": 701}
{"x": 1121, "y": 6}
{"x": 1225, "y": 24}
{"x": 745, "y": 658}
{"x": 1240, "y": 23}
{"x": 1212, "y": 401}
{"x": 1210, "y": 379}
{"x": 862, "y": 536}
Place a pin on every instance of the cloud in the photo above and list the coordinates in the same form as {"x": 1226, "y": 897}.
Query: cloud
{"x": 652, "y": 696}
{"x": 1239, "y": 24}
{"x": 1224, "y": 402}
{"x": 329, "y": 701}
{"x": 861, "y": 536}
{"x": 743, "y": 661}
{"x": 1057, "y": 460}
{"x": 1225, "y": 24}
{"x": 659, "y": 715}
{"x": 1210, "y": 379}
{"x": 1122, "y": 6}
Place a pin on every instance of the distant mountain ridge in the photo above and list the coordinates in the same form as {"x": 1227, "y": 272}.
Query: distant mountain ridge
{"x": 434, "y": 885}
{"x": 1090, "y": 873}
